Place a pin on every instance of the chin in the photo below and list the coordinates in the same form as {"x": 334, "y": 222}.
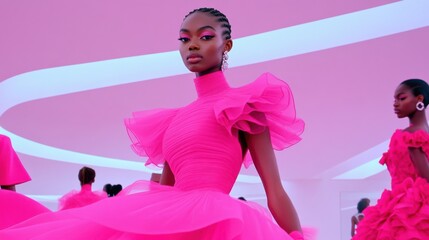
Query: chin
{"x": 193, "y": 69}
{"x": 399, "y": 115}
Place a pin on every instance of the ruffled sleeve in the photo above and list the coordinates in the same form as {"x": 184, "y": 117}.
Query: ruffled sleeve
{"x": 146, "y": 130}
{"x": 416, "y": 139}
{"x": 401, "y": 139}
{"x": 267, "y": 102}
{"x": 383, "y": 159}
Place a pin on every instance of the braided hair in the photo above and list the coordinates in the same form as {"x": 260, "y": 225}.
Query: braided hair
{"x": 221, "y": 18}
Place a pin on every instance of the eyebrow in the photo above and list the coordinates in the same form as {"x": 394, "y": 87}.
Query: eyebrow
{"x": 399, "y": 94}
{"x": 199, "y": 29}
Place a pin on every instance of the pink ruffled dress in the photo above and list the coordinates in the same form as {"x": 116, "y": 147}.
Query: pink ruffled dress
{"x": 12, "y": 172}
{"x": 403, "y": 212}
{"x": 80, "y": 198}
{"x": 200, "y": 144}
{"x": 14, "y": 207}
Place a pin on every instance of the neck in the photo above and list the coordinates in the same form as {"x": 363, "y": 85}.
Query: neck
{"x": 419, "y": 119}
{"x": 210, "y": 84}
{"x": 208, "y": 71}
{"x": 86, "y": 187}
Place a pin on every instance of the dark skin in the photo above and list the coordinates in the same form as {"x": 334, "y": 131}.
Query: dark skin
{"x": 202, "y": 46}
{"x": 355, "y": 221}
{"x": 167, "y": 176}
{"x": 10, "y": 187}
{"x": 405, "y": 106}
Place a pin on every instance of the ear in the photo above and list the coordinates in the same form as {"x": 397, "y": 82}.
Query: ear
{"x": 228, "y": 45}
{"x": 420, "y": 98}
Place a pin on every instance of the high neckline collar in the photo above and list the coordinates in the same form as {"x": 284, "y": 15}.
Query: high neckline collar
{"x": 86, "y": 187}
{"x": 210, "y": 84}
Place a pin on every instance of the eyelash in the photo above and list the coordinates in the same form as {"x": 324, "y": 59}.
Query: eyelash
{"x": 205, "y": 38}
{"x": 183, "y": 39}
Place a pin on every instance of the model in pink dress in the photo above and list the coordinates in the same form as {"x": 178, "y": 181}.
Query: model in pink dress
{"x": 403, "y": 212}
{"x": 12, "y": 172}
{"x": 85, "y": 196}
{"x": 355, "y": 219}
{"x": 201, "y": 147}
{"x": 14, "y": 207}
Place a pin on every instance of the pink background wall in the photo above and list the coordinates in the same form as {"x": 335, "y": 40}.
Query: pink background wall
{"x": 70, "y": 71}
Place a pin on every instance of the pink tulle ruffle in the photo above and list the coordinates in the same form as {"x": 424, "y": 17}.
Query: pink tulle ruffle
{"x": 146, "y": 130}
{"x": 75, "y": 199}
{"x": 16, "y": 208}
{"x": 402, "y": 213}
{"x": 267, "y": 102}
{"x": 12, "y": 171}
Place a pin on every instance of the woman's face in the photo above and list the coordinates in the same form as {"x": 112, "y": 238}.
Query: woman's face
{"x": 202, "y": 43}
{"x": 405, "y": 101}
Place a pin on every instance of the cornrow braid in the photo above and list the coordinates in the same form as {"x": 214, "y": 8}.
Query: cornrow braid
{"x": 221, "y": 19}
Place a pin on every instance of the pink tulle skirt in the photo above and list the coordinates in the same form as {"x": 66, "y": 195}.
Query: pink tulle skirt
{"x": 161, "y": 213}
{"x": 16, "y": 208}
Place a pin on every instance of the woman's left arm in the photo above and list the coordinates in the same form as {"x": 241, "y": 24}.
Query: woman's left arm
{"x": 354, "y": 222}
{"x": 420, "y": 162}
{"x": 279, "y": 203}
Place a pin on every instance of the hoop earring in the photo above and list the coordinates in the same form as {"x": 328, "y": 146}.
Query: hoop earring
{"x": 420, "y": 106}
{"x": 225, "y": 61}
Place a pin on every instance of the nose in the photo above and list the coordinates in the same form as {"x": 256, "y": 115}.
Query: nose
{"x": 193, "y": 45}
{"x": 395, "y": 104}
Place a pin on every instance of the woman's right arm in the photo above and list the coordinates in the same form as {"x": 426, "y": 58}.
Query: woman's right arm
{"x": 167, "y": 176}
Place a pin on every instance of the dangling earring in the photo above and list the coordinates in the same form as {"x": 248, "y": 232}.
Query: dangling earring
{"x": 420, "y": 106}
{"x": 225, "y": 61}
